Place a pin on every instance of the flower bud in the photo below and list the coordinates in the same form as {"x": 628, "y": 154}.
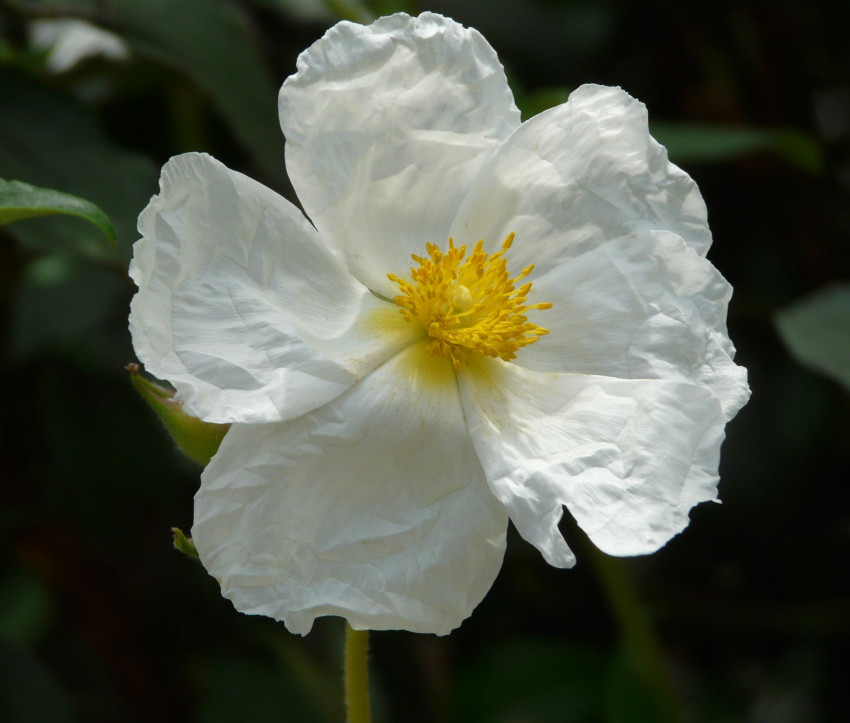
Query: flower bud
{"x": 183, "y": 544}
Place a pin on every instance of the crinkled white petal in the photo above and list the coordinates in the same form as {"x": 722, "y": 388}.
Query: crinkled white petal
{"x": 629, "y": 458}
{"x": 373, "y": 507}
{"x": 386, "y": 125}
{"x": 242, "y": 307}
{"x": 640, "y": 306}
{"x": 576, "y": 176}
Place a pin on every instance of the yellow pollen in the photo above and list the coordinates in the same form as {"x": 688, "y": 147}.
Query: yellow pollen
{"x": 469, "y": 305}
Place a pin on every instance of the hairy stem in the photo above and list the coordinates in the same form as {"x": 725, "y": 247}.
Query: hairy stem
{"x": 357, "y": 675}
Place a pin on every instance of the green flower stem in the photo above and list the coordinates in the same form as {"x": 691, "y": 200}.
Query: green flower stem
{"x": 357, "y": 675}
{"x": 636, "y": 630}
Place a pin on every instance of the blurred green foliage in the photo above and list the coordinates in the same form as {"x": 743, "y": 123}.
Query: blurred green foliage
{"x": 816, "y": 330}
{"x": 745, "y": 617}
{"x": 20, "y": 201}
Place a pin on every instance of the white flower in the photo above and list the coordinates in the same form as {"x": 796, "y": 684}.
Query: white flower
{"x": 390, "y": 415}
{"x": 68, "y": 41}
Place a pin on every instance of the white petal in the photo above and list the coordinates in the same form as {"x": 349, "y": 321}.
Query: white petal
{"x": 629, "y": 458}
{"x": 385, "y": 126}
{"x": 373, "y": 508}
{"x": 241, "y": 306}
{"x": 643, "y": 306}
{"x": 576, "y": 176}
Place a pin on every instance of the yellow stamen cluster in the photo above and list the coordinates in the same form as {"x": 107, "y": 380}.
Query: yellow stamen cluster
{"x": 469, "y": 305}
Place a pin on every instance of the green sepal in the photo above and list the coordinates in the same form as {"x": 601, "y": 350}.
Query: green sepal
{"x": 19, "y": 201}
{"x": 184, "y": 544}
{"x": 198, "y": 440}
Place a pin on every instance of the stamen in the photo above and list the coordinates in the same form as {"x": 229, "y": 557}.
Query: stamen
{"x": 469, "y": 305}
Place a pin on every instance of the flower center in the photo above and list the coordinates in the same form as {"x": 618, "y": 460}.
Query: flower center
{"x": 469, "y": 305}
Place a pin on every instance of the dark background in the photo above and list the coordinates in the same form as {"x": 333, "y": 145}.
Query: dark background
{"x": 744, "y": 617}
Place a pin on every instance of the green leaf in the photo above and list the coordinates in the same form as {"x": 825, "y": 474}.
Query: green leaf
{"x": 816, "y": 331}
{"x": 352, "y": 10}
{"x": 695, "y": 143}
{"x": 54, "y": 142}
{"x": 303, "y": 11}
{"x": 211, "y": 42}
{"x": 19, "y": 201}
{"x": 198, "y": 440}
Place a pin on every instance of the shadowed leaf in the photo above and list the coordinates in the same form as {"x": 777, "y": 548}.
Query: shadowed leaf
{"x": 695, "y": 143}
{"x": 54, "y": 142}
{"x": 19, "y": 201}
{"x": 816, "y": 331}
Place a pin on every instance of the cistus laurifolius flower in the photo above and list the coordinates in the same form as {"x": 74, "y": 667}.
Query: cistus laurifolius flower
{"x": 481, "y": 320}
